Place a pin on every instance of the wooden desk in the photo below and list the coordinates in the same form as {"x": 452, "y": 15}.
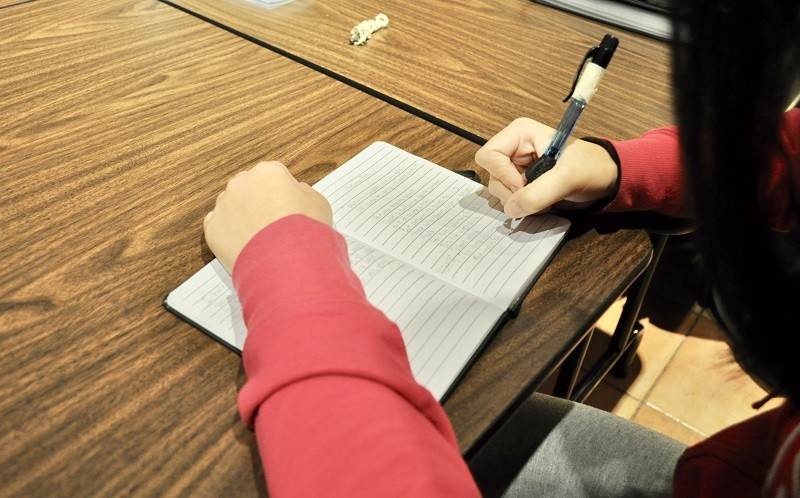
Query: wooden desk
{"x": 121, "y": 121}
{"x": 13, "y": 3}
{"x": 472, "y": 64}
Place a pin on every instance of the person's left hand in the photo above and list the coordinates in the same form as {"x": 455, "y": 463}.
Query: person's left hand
{"x": 254, "y": 199}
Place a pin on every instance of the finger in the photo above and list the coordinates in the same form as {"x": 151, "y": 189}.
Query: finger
{"x": 234, "y": 181}
{"x": 499, "y": 190}
{"x": 495, "y": 157}
{"x": 219, "y": 196}
{"x": 550, "y": 188}
{"x": 506, "y": 154}
{"x": 207, "y": 220}
{"x": 276, "y": 170}
{"x": 501, "y": 167}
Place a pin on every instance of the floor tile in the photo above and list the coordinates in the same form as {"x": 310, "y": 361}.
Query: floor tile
{"x": 609, "y": 398}
{"x": 659, "y": 422}
{"x": 702, "y": 386}
{"x": 683, "y": 382}
{"x": 605, "y": 397}
{"x": 664, "y": 330}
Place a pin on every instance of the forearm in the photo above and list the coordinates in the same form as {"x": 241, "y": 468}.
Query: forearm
{"x": 349, "y": 436}
{"x": 652, "y": 175}
{"x": 330, "y": 391}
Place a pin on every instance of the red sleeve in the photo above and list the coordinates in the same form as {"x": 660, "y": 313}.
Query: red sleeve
{"x": 783, "y": 186}
{"x": 783, "y": 478}
{"x": 651, "y": 174}
{"x": 757, "y": 457}
{"x": 329, "y": 390}
{"x": 652, "y": 178}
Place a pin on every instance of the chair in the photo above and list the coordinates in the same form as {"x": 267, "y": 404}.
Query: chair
{"x": 627, "y": 335}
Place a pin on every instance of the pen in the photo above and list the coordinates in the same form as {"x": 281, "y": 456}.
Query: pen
{"x": 582, "y": 91}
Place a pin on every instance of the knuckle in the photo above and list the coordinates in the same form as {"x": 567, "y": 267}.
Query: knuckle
{"x": 268, "y": 167}
{"x": 483, "y": 157}
{"x": 520, "y": 121}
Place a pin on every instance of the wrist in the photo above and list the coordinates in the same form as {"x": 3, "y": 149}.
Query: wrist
{"x": 615, "y": 172}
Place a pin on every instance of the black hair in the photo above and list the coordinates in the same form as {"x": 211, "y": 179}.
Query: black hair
{"x": 735, "y": 65}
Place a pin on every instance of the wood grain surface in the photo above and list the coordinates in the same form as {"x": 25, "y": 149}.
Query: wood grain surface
{"x": 13, "y": 3}
{"x": 477, "y": 64}
{"x": 121, "y": 121}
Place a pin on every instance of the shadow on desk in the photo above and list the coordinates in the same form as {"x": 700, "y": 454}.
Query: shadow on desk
{"x": 653, "y": 223}
{"x": 678, "y": 254}
{"x": 246, "y": 437}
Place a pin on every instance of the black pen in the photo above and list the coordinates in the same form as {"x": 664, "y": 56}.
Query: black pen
{"x": 582, "y": 92}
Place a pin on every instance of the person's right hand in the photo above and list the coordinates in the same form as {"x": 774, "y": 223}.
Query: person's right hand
{"x": 254, "y": 199}
{"x": 583, "y": 174}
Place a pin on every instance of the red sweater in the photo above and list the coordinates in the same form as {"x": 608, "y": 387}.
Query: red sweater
{"x": 332, "y": 398}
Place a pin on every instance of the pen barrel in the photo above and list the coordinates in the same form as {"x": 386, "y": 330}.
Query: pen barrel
{"x": 539, "y": 167}
{"x": 565, "y": 128}
{"x": 547, "y": 160}
{"x": 583, "y": 91}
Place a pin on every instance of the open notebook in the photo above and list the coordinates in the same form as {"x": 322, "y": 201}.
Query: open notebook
{"x": 433, "y": 249}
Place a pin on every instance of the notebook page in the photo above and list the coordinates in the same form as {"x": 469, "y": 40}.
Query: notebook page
{"x": 208, "y": 300}
{"x": 442, "y": 326}
{"x": 440, "y": 222}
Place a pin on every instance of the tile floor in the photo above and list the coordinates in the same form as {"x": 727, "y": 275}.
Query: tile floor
{"x": 684, "y": 381}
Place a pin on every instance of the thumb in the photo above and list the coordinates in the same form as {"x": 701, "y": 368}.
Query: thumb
{"x": 538, "y": 195}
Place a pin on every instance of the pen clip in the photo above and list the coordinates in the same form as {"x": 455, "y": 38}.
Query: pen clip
{"x": 590, "y": 53}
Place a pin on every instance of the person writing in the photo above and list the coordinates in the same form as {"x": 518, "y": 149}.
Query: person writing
{"x": 330, "y": 393}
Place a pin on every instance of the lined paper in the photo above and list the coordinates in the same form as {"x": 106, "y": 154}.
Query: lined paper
{"x": 442, "y": 326}
{"x": 208, "y": 300}
{"x": 433, "y": 250}
{"x": 440, "y": 222}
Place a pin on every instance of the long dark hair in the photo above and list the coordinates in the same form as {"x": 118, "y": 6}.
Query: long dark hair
{"x": 735, "y": 65}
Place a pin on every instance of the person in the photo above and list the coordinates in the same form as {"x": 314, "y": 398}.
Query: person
{"x": 330, "y": 393}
